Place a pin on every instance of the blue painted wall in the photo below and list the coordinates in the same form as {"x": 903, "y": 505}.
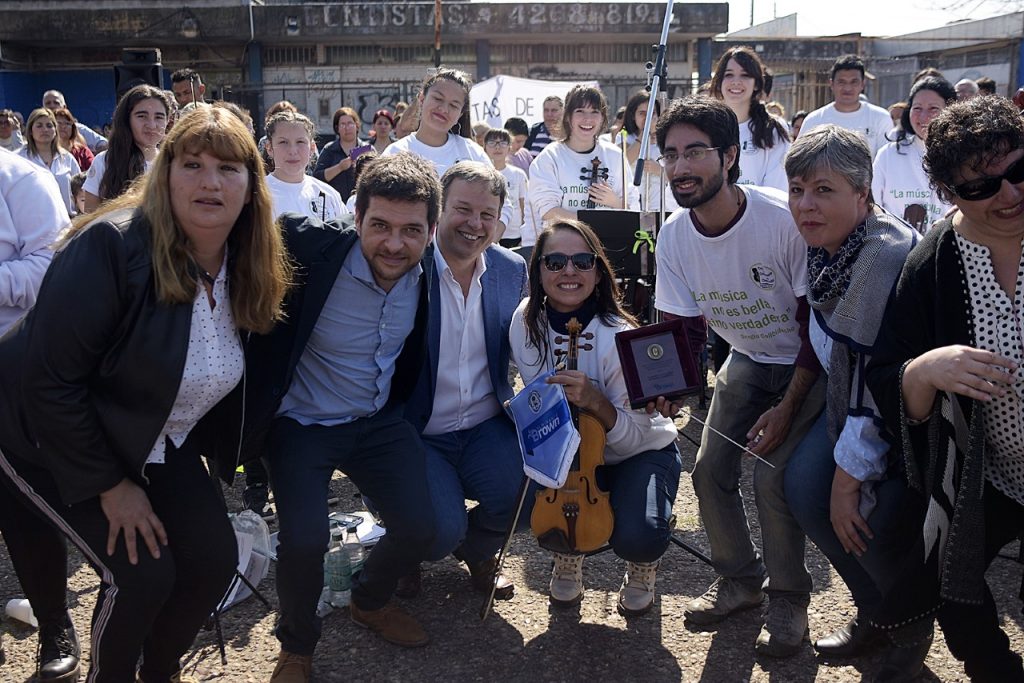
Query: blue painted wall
{"x": 89, "y": 92}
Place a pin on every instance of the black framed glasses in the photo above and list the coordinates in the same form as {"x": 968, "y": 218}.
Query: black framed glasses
{"x": 555, "y": 261}
{"x": 983, "y": 188}
{"x": 496, "y": 144}
{"x": 693, "y": 154}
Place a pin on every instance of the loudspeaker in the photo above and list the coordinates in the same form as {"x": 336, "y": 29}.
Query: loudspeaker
{"x": 139, "y": 66}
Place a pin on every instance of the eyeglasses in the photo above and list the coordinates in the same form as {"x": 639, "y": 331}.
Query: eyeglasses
{"x": 690, "y": 154}
{"x": 556, "y": 261}
{"x": 496, "y": 144}
{"x": 984, "y": 188}
{"x": 346, "y": 124}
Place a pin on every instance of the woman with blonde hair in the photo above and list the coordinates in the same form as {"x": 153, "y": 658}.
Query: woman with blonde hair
{"x": 112, "y": 391}
{"x": 43, "y": 149}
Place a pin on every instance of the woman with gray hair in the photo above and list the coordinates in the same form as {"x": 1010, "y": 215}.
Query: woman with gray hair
{"x": 841, "y": 482}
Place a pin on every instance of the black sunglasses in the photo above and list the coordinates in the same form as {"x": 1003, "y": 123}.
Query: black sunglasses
{"x": 556, "y": 261}
{"x": 983, "y": 188}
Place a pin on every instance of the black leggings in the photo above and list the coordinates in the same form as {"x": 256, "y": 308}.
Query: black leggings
{"x": 154, "y": 608}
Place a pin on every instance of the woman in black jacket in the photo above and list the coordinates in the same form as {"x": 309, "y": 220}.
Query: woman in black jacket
{"x": 129, "y": 368}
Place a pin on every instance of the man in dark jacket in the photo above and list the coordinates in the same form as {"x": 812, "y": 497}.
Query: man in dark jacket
{"x": 333, "y": 379}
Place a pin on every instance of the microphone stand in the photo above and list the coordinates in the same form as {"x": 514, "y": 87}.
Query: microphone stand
{"x": 658, "y": 73}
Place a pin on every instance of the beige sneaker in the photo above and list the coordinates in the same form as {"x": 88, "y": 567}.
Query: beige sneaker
{"x": 292, "y": 668}
{"x": 637, "y": 593}
{"x": 566, "y": 586}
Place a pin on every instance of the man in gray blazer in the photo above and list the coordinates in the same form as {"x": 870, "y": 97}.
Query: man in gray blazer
{"x": 471, "y": 446}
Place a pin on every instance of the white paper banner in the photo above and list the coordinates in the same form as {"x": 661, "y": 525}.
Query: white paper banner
{"x": 498, "y": 98}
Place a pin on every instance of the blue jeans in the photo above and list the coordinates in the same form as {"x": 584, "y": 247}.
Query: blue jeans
{"x": 809, "y": 489}
{"x": 383, "y": 457}
{"x": 642, "y": 490}
{"x": 482, "y": 463}
{"x": 744, "y": 389}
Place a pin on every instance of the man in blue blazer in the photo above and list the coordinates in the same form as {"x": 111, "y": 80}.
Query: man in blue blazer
{"x": 471, "y": 446}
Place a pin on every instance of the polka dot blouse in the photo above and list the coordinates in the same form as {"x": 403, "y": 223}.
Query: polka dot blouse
{"x": 213, "y": 366}
{"x": 997, "y": 328}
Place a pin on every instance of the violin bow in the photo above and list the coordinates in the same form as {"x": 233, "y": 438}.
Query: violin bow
{"x": 689, "y": 413}
{"x": 524, "y": 487}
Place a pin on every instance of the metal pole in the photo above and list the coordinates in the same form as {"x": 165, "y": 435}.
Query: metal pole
{"x": 659, "y": 70}
{"x": 437, "y": 34}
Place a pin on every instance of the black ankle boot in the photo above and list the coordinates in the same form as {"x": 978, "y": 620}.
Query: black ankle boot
{"x": 905, "y": 660}
{"x": 58, "y": 653}
{"x": 851, "y": 640}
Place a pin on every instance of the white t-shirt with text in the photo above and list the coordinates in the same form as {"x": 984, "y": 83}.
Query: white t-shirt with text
{"x": 560, "y": 178}
{"x": 454, "y": 150}
{"x": 518, "y": 184}
{"x": 311, "y": 197}
{"x": 763, "y": 167}
{"x": 745, "y": 282}
{"x": 870, "y": 121}
{"x": 901, "y": 187}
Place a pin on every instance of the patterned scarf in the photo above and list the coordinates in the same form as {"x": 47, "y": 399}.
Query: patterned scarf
{"x": 829, "y": 277}
{"x": 844, "y": 292}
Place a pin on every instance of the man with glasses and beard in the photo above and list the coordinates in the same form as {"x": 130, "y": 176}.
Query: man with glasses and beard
{"x": 734, "y": 258}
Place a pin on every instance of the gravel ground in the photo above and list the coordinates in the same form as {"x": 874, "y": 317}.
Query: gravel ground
{"x": 524, "y": 639}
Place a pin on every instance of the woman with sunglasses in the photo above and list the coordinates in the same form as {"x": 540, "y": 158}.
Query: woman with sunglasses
{"x": 947, "y": 377}
{"x": 570, "y": 277}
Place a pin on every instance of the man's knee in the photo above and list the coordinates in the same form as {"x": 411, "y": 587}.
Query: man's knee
{"x": 448, "y": 535}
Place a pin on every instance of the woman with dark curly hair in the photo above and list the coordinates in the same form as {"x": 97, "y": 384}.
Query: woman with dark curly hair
{"x": 947, "y": 380}
{"x": 738, "y": 81}
{"x": 140, "y": 124}
{"x": 900, "y": 183}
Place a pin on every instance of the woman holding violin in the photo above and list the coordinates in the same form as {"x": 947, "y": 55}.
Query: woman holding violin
{"x": 570, "y": 277}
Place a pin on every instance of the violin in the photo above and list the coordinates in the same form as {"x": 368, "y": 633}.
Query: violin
{"x": 576, "y": 518}
{"x": 593, "y": 175}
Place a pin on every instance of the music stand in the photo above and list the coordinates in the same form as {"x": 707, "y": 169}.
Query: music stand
{"x": 630, "y": 252}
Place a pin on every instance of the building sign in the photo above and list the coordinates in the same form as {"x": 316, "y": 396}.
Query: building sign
{"x": 474, "y": 19}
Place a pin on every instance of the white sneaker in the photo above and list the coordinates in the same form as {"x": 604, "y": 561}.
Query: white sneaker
{"x": 566, "y": 586}
{"x": 637, "y": 593}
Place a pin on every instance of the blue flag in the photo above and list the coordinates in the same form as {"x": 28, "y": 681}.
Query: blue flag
{"x": 547, "y": 437}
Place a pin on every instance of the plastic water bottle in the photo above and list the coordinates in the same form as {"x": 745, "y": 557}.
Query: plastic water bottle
{"x": 338, "y": 571}
{"x": 356, "y": 554}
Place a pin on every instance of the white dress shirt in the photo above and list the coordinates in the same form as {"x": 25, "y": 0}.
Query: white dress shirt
{"x": 463, "y": 394}
{"x": 213, "y": 366}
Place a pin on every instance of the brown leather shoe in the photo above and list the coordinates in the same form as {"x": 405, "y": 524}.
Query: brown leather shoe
{"x": 391, "y": 624}
{"x": 292, "y": 668}
{"x": 482, "y": 574}
{"x": 410, "y": 585}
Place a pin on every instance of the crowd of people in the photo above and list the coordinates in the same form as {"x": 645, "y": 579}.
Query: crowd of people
{"x": 181, "y": 291}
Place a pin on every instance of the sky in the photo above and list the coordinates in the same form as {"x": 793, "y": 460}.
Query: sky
{"x": 868, "y": 17}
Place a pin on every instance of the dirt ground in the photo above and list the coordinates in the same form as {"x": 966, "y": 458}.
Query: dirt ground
{"x": 526, "y": 640}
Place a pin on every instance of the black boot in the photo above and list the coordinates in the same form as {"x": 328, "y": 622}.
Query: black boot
{"x": 851, "y": 640}
{"x": 58, "y": 653}
{"x": 905, "y": 661}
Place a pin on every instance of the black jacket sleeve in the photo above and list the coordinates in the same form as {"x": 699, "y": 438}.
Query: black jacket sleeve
{"x": 80, "y": 305}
